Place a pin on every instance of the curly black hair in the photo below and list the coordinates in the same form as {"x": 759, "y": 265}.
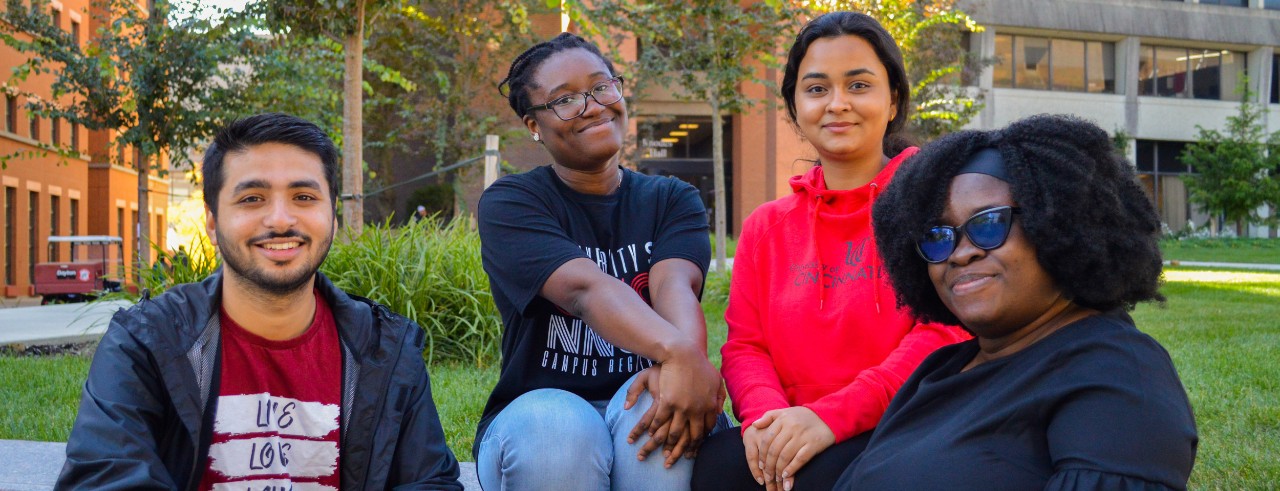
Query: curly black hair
{"x": 520, "y": 75}
{"x": 1093, "y": 228}
{"x": 836, "y": 24}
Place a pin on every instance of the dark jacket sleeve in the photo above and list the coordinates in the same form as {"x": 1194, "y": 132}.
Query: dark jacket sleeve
{"x": 422, "y": 460}
{"x": 114, "y": 442}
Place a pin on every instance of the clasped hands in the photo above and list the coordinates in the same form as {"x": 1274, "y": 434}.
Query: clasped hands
{"x": 688, "y": 397}
{"x": 781, "y": 442}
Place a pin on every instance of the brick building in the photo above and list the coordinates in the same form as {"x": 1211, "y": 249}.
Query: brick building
{"x": 95, "y": 193}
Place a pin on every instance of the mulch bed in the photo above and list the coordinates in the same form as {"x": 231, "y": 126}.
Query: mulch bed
{"x": 71, "y": 349}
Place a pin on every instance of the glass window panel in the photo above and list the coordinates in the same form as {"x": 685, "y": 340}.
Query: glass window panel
{"x": 1146, "y": 71}
{"x": 1271, "y": 4}
{"x": 1232, "y": 71}
{"x": 1068, "y": 65}
{"x": 1171, "y": 72}
{"x": 1206, "y": 78}
{"x": 1275, "y": 77}
{"x": 1100, "y": 65}
{"x": 1004, "y": 61}
{"x": 1032, "y": 68}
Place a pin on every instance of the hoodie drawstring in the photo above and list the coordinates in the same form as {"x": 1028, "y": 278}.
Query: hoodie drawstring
{"x": 817, "y": 253}
{"x": 875, "y": 277}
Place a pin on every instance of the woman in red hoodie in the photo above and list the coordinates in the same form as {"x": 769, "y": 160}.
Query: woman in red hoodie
{"x": 817, "y": 346}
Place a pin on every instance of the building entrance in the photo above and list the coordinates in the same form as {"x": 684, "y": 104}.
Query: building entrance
{"x": 680, "y": 147}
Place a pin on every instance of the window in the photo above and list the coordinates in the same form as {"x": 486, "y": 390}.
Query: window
{"x": 1031, "y": 62}
{"x": 1271, "y": 4}
{"x": 55, "y": 131}
{"x": 1229, "y": 3}
{"x": 55, "y": 15}
{"x": 54, "y": 204}
{"x": 1027, "y": 62}
{"x": 33, "y": 233}
{"x": 120, "y": 223}
{"x": 1275, "y": 76}
{"x": 10, "y": 200}
{"x": 11, "y": 114}
{"x": 35, "y": 127}
{"x": 75, "y": 137}
{"x": 1100, "y": 64}
{"x": 1190, "y": 73}
{"x": 75, "y": 33}
{"x": 74, "y": 218}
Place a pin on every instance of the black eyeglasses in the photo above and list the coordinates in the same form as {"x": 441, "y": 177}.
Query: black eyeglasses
{"x": 575, "y": 105}
{"x": 986, "y": 230}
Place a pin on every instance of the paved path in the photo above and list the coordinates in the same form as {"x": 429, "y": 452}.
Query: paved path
{"x": 34, "y": 466}
{"x": 56, "y": 324}
{"x": 1199, "y": 264}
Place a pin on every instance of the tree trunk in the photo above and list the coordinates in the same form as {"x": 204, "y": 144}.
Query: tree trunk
{"x": 143, "y": 225}
{"x": 1240, "y": 228}
{"x": 717, "y": 165}
{"x": 353, "y": 125}
{"x": 1271, "y": 231}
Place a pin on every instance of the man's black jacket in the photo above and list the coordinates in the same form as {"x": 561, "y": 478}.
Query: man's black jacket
{"x": 146, "y": 411}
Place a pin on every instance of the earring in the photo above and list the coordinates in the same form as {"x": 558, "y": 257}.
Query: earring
{"x": 537, "y": 137}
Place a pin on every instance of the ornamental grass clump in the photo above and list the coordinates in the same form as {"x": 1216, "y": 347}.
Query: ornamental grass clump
{"x": 431, "y": 273}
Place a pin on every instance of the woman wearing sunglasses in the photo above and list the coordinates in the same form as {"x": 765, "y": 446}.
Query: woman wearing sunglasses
{"x": 1037, "y": 238}
{"x": 816, "y": 346}
{"x": 596, "y": 271}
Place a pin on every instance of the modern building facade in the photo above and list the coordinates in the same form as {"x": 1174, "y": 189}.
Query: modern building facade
{"x": 1154, "y": 70}
{"x": 95, "y": 193}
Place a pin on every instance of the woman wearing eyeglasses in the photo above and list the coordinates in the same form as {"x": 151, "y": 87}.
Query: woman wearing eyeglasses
{"x": 596, "y": 271}
{"x": 1037, "y": 238}
{"x": 816, "y": 346}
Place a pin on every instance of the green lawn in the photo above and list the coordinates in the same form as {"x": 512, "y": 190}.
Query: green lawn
{"x": 1264, "y": 251}
{"x": 1220, "y": 327}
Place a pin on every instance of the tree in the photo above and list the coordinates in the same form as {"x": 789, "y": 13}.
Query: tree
{"x": 709, "y": 48}
{"x": 452, "y": 52}
{"x": 158, "y": 81}
{"x": 344, "y": 22}
{"x": 1235, "y": 169}
{"x": 930, "y": 34}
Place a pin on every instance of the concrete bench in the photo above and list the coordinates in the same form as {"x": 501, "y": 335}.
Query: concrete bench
{"x": 34, "y": 466}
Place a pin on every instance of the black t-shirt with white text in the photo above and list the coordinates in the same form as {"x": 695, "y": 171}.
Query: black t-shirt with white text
{"x": 530, "y": 225}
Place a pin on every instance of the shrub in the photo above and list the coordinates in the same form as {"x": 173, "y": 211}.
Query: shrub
{"x": 426, "y": 271}
{"x": 430, "y": 273}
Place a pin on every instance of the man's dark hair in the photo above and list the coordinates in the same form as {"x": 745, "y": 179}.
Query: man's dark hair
{"x": 267, "y": 128}
{"x": 836, "y": 24}
{"x": 520, "y": 76}
{"x": 1094, "y": 230}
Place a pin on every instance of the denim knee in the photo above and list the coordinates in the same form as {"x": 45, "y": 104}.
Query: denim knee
{"x": 546, "y": 439}
{"x": 629, "y": 472}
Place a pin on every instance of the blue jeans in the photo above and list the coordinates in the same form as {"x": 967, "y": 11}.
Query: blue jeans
{"x": 552, "y": 439}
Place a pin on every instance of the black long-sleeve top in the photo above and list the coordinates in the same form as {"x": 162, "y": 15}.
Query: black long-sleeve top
{"x": 1095, "y": 405}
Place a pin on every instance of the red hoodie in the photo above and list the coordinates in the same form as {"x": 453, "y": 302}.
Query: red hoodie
{"x": 842, "y": 349}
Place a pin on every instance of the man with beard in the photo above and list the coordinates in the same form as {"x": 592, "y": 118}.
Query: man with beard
{"x": 265, "y": 375}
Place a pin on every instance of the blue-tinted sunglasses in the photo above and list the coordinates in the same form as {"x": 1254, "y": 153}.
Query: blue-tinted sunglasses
{"x": 986, "y": 230}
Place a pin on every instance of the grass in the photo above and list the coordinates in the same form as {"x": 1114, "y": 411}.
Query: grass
{"x": 1222, "y": 331}
{"x": 41, "y": 396}
{"x": 1263, "y": 251}
{"x": 1220, "y": 327}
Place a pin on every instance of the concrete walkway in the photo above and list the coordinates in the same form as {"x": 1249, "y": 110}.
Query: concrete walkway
{"x": 56, "y": 324}
{"x": 1199, "y": 264}
{"x": 34, "y": 466}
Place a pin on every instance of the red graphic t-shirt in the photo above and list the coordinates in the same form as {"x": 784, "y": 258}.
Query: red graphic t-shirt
{"x": 277, "y": 419}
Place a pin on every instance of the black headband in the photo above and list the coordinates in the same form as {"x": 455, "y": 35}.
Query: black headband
{"x": 987, "y": 161}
